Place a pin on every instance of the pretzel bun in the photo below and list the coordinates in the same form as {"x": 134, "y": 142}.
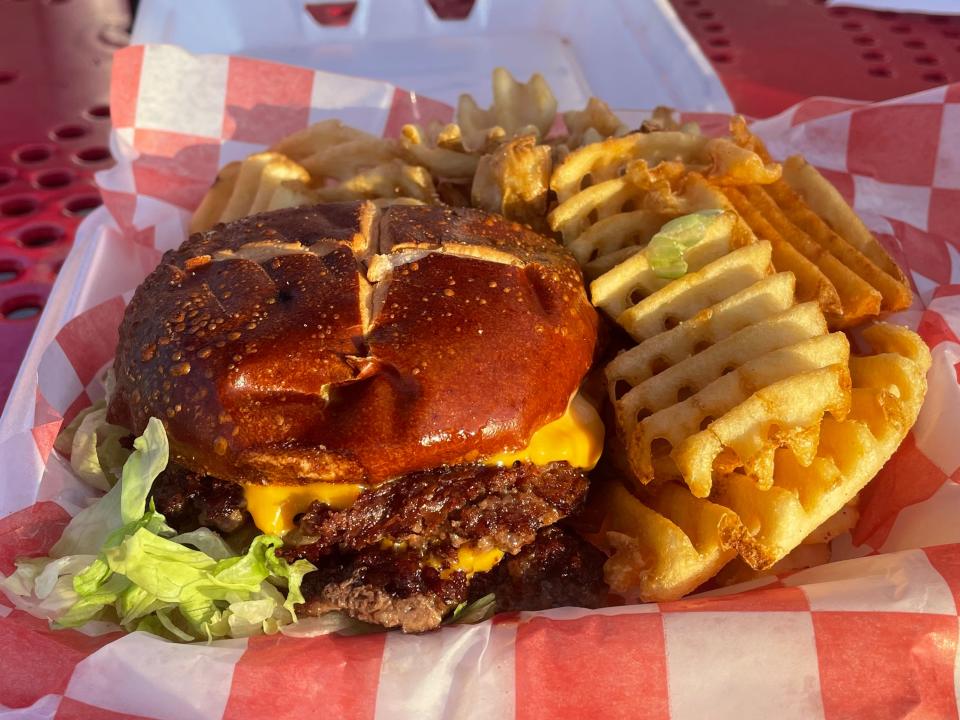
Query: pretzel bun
{"x": 346, "y": 343}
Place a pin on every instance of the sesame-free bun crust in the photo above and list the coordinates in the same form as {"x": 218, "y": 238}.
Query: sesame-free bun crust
{"x": 345, "y": 343}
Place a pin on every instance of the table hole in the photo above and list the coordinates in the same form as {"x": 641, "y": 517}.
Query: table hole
{"x": 7, "y": 175}
{"x": 17, "y": 207}
{"x": 852, "y": 25}
{"x": 863, "y": 40}
{"x": 7, "y": 77}
{"x": 9, "y": 271}
{"x": 926, "y": 60}
{"x": 32, "y": 154}
{"x": 82, "y": 205}
{"x": 714, "y": 27}
{"x": 873, "y": 55}
{"x": 69, "y": 132}
{"x": 40, "y": 236}
{"x": 100, "y": 112}
{"x": 718, "y": 42}
{"x": 935, "y": 77}
{"x": 54, "y": 179}
{"x": 94, "y": 154}
{"x": 22, "y": 308}
{"x": 900, "y": 29}
{"x": 880, "y": 71}
{"x": 721, "y": 57}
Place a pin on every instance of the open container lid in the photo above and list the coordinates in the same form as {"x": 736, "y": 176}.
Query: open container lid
{"x": 630, "y": 54}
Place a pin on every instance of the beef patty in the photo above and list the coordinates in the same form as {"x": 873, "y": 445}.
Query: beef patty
{"x": 390, "y": 558}
{"x": 483, "y": 505}
{"x": 558, "y": 568}
{"x": 189, "y": 500}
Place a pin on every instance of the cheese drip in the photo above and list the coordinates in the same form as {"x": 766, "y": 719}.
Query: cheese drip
{"x": 469, "y": 558}
{"x": 273, "y": 507}
{"x": 576, "y": 436}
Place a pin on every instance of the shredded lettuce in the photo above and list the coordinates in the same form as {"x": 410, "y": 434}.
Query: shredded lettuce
{"x": 94, "y": 448}
{"x": 119, "y": 560}
{"x": 665, "y": 251}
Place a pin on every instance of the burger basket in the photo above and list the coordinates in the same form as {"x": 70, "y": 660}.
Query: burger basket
{"x": 873, "y": 634}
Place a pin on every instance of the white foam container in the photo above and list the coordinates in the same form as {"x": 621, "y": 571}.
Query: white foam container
{"x": 633, "y": 54}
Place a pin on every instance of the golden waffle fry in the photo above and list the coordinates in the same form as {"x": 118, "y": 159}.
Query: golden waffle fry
{"x": 605, "y": 263}
{"x": 258, "y": 178}
{"x": 895, "y": 294}
{"x": 806, "y": 506}
{"x": 390, "y": 180}
{"x": 633, "y": 279}
{"x": 739, "y": 419}
{"x": 763, "y": 300}
{"x": 517, "y": 107}
{"x": 812, "y": 284}
{"x": 514, "y": 181}
{"x": 211, "y": 207}
{"x": 859, "y": 300}
{"x": 888, "y": 389}
{"x": 665, "y": 547}
{"x": 438, "y": 152}
{"x": 695, "y": 291}
{"x": 293, "y": 193}
{"x": 635, "y": 227}
{"x": 627, "y": 192}
{"x": 805, "y": 210}
{"x": 596, "y": 117}
{"x": 603, "y": 161}
{"x": 611, "y": 234}
{"x": 316, "y": 137}
{"x": 827, "y": 202}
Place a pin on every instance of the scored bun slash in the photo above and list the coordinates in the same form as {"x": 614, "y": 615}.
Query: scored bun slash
{"x": 313, "y": 355}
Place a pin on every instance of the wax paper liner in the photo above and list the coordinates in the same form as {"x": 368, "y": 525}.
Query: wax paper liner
{"x": 872, "y": 636}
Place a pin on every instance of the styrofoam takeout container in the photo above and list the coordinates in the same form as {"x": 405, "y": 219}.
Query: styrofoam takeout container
{"x": 631, "y": 54}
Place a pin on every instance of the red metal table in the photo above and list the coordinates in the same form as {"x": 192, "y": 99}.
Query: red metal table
{"x": 54, "y": 121}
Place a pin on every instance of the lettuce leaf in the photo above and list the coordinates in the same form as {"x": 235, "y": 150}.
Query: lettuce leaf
{"x": 119, "y": 560}
{"x": 93, "y": 446}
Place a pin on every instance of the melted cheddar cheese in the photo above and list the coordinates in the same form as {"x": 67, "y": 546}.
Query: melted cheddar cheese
{"x": 273, "y": 507}
{"x": 470, "y": 560}
{"x": 576, "y": 436}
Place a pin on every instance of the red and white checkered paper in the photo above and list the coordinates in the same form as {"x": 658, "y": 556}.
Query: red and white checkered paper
{"x": 872, "y": 636}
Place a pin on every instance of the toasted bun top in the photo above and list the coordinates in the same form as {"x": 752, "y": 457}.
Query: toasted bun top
{"x": 348, "y": 344}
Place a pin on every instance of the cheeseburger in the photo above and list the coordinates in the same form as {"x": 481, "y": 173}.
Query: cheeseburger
{"x": 393, "y": 391}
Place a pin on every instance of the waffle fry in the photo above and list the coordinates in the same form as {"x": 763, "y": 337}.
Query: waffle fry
{"x": 390, "y": 180}
{"x": 514, "y": 181}
{"x": 633, "y": 279}
{"x": 858, "y": 299}
{"x": 729, "y": 399}
{"x": 664, "y": 548}
{"x": 805, "y": 507}
{"x": 215, "y": 201}
{"x": 317, "y": 137}
{"x": 826, "y": 201}
{"x": 517, "y": 109}
{"x": 246, "y": 188}
{"x": 611, "y": 193}
{"x": 685, "y": 297}
{"x": 804, "y": 210}
{"x": 594, "y": 123}
{"x": 441, "y": 151}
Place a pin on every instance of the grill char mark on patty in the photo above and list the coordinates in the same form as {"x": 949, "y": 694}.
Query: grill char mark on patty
{"x": 489, "y": 506}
